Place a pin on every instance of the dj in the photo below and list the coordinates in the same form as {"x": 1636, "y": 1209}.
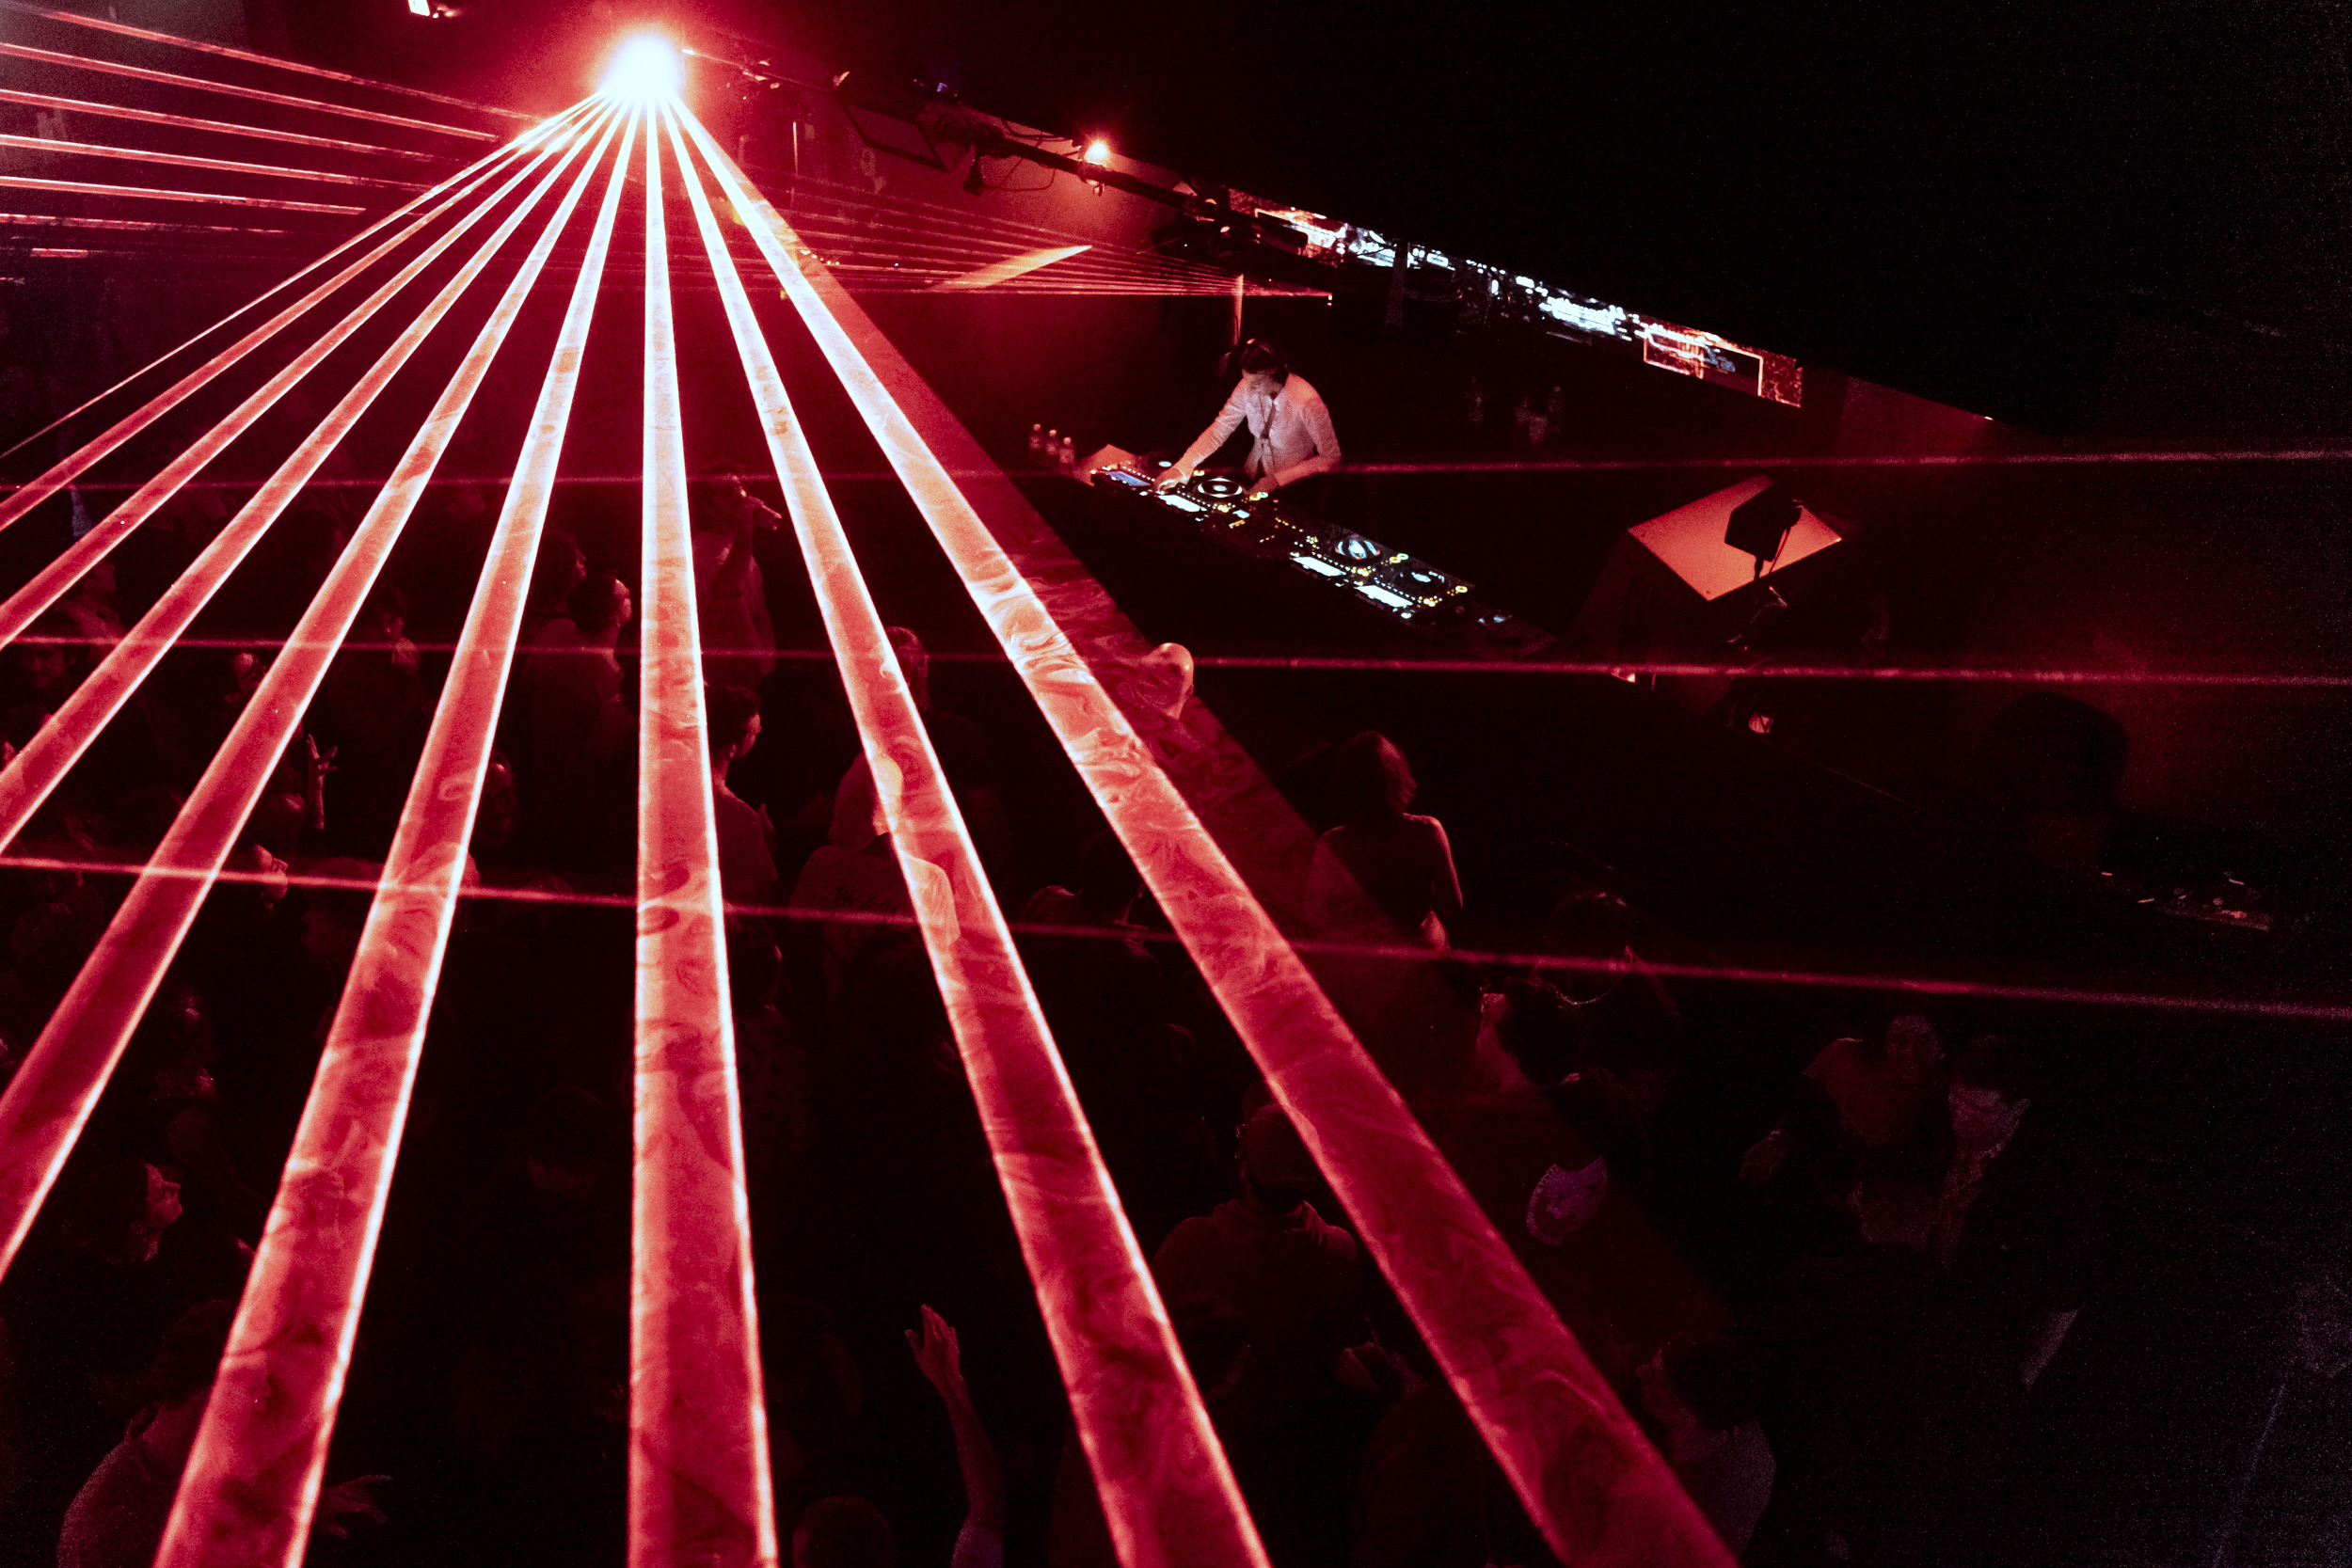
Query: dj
{"x": 1291, "y": 432}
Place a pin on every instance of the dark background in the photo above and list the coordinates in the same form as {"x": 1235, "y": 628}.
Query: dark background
{"x": 1959, "y": 200}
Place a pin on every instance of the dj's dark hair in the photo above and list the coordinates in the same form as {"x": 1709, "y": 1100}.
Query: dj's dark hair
{"x": 1257, "y": 355}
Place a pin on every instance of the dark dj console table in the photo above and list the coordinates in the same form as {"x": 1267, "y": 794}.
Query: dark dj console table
{"x": 1409, "y": 591}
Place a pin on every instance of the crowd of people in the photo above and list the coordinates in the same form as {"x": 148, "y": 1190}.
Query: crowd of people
{"x": 1829, "y": 1307}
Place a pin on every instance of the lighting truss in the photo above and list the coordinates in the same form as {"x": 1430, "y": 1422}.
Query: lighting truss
{"x": 698, "y": 1486}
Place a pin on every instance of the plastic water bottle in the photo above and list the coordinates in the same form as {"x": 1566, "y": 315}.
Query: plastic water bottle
{"x": 1037, "y": 437}
{"x": 1068, "y": 455}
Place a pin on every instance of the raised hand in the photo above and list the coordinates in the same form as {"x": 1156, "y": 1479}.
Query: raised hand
{"x": 938, "y": 1354}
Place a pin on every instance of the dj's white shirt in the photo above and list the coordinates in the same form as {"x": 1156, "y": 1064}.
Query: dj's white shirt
{"x": 1289, "y": 427}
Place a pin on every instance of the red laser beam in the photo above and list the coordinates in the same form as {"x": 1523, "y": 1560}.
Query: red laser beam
{"x": 217, "y": 127}
{"x": 937, "y": 233}
{"x": 840, "y": 475}
{"x": 69, "y": 467}
{"x": 1886, "y": 460}
{"x": 1155, "y": 1457}
{"x": 107, "y": 25}
{"x": 925, "y": 272}
{"x": 976, "y": 256}
{"x": 699, "y": 1488}
{"x": 929, "y": 272}
{"x": 252, "y": 1480}
{"x": 913, "y": 246}
{"x": 925, "y": 233}
{"x": 2019, "y": 676}
{"x": 138, "y": 254}
{"x": 914, "y": 267}
{"x": 1586, "y": 1472}
{"x": 911, "y": 258}
{"x": 37, "y": 769}
{"x": 55, "y": 1090}
{"x": 127, "y": 226}
{"x": 921, "y": 266}
{"x": 2275, "y": 1010}
{"x": 1139, "y": 290}
{"x": 2283, "y": 1010}
{"x": 150, "y": 193}
{"x": 26, "y": 782}
{"x": 865, "y": 206}
{"x": 1624, "y": 669}
{"x": 909, "y": 241}
{"x": 228, "y": 89}
{"x": 183, "y": 160}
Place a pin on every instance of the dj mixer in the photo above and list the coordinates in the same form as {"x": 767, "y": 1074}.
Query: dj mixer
{"x": 1409, "y": 589}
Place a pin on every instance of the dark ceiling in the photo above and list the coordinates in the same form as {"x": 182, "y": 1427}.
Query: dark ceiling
{"x": 1955, "y": 199}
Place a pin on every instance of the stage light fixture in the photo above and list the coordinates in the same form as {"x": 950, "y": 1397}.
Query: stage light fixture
{"x": 644, "y": 70}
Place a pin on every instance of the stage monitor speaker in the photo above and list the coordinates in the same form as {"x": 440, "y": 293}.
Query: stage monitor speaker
{"x": 1760, "y": 524}
{"x": 1675, "y": 589}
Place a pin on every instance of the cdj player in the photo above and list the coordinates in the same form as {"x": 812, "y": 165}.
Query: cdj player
{"x": 1409, "y": 589}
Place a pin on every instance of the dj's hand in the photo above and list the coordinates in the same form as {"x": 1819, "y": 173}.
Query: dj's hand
{"x": 1174, "y": 474}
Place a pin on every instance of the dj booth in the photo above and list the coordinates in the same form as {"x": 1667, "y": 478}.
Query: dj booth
{"x": 1409, "y": 592}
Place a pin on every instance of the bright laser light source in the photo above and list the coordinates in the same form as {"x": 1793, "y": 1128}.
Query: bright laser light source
{"x": 1099, "y": 154}
{"x": 644, "y": 70}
